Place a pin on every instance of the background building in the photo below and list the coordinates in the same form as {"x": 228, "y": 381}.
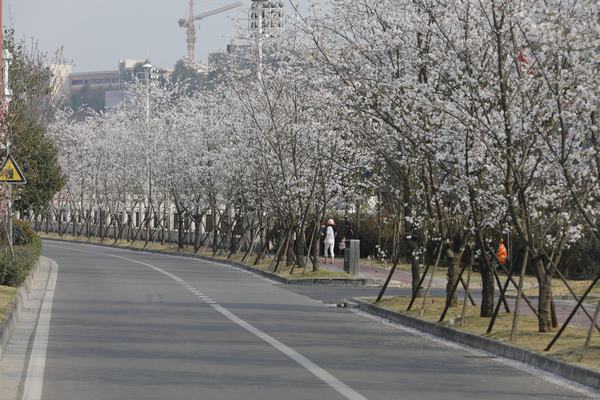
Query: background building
{"x": 105, "y": 89}
{"x": 60, "y": 81}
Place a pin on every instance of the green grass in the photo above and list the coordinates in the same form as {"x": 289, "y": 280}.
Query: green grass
{"x": 7, "y": 295}
{"x": 568, "y": 348}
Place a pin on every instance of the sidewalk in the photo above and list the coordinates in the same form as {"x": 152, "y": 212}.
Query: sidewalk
{"x": 14, "y": 359}
{"x": 401, "y": 279}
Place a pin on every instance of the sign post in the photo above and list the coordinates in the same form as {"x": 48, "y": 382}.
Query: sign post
{"x": 10, "y": 172}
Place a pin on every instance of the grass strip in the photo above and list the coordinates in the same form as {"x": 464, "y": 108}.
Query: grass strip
{"x": 7, "y": 295}
{"x": 569, "y": 348}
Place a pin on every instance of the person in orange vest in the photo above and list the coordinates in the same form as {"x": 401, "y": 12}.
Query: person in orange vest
{"x": 502, "y": 254}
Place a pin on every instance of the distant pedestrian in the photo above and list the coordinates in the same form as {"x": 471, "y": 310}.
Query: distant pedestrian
{"x": 502, "y": 255}
{"x": 329, "y": 241}
{"x": 342, "y": 246}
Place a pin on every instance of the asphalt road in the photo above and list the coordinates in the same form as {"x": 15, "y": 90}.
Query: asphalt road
{"x": 131, "y": 325}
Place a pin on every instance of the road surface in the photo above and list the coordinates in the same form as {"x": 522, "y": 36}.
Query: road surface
{"x": 132, "y": 325}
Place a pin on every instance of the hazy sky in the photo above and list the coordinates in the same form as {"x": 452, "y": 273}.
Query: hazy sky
{"x": 96, "y": 34}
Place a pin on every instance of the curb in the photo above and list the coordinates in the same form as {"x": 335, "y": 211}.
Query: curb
{"x": 357, "y": 282}
{"x": 581, "y": 375}
{"x": 9, "y": 324}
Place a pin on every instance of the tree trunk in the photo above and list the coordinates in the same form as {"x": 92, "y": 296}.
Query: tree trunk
{"x": 101, "y": 224}
{"x": 290, "y": 251}
{"x": 300, "y": 249}
{"x": 197, "y": 222}
{"x": 316, "y": 250}
{"x": 415, "y": 270}
{"x": 180, "y": 223}
{"x": 215, "y": 229}
{"x": 415, "y": 267}
{"x": 453, "y": 269}
{"x": 408, "y": 235}
{"x": 544, "y": 296}
{"x": 278, "y": 240}
{"x": 453, "y": 261}
{"x": 59, "y": 223}
{"x": 487, "y": 290}
{"x": 554, "y": 316}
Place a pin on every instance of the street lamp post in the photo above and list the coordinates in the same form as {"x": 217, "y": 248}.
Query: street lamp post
{"x": 148, "y": 68}
{"x": 266, "y": 16}
{"x": 265, "y": 19}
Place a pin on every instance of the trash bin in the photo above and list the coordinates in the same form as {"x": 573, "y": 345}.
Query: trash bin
{"x": 352, "y": 256}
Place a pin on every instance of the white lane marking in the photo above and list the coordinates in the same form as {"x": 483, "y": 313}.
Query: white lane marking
{"x": 34, "y": 380}
{"x": 199, "y": 260}
{"x": 547, "y": 376}
{"x": 313, "y": 368}
{"x": 310, "y": 366}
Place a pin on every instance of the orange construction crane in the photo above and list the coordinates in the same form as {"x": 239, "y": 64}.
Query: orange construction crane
{"x": 189, "y": 24}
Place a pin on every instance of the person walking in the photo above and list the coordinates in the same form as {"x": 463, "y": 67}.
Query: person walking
{"x": 329, "y": 241}
{"x": 502, "y": 257}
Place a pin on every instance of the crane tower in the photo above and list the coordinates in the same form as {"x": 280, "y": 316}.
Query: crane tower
{"x": 189, "y": 24}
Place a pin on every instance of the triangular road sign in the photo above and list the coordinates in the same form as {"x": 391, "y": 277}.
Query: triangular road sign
{"x": 11, "y": 173}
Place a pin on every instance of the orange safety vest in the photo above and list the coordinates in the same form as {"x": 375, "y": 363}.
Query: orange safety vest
{"x": 502, "y": 254}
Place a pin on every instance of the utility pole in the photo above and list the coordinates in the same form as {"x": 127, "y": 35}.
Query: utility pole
{"x": 257, "y": 17}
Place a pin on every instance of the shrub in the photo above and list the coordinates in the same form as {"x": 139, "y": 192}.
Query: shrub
{"x": 23, "y": 233}
{"x": 582, "y": 259}
{"x": 14, "y": 271}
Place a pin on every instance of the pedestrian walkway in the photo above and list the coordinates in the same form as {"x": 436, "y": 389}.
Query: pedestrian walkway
{"x": 399, "y": 279}
{"x": 14, "y": 360}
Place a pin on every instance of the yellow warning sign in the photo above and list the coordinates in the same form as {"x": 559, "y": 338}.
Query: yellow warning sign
{"x": 11, "y": 173}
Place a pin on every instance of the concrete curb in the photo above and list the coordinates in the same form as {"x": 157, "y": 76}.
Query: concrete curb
{"x": 571, "y": 372}
{"x": 9, "y": 324}
{"x": 269, "y": 275}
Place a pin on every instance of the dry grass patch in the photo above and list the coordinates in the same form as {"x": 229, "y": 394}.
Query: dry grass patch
{"x": 300, "y": 273}
{"x": 568, "y": 348}
{"x": 7, "y": 295}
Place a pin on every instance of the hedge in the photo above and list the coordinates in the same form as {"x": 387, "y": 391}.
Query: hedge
{"x": 14, "y": 271}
